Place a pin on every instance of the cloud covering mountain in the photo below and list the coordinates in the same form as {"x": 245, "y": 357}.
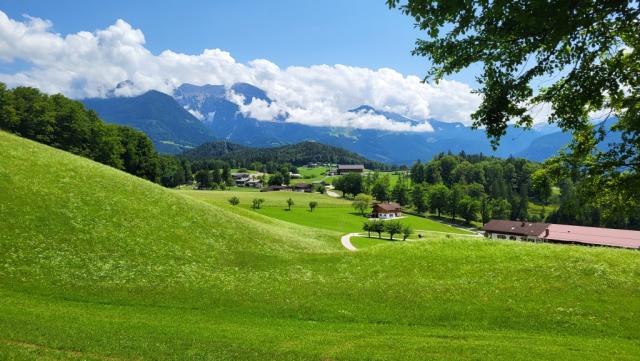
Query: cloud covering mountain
{"x": 89, "y": 64}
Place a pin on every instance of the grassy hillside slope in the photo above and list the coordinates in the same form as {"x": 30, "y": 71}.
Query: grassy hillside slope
{"x": 97, "y": 264}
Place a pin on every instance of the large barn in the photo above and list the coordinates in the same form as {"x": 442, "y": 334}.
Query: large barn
{"x": 562, "y": 233}
{"x": 350, "y": 168}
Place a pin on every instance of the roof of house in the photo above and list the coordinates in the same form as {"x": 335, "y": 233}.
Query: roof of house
{"x": 351, "y": 166}
{"x": 302, "y": 185}
{"x": 278, "y": 187}
{"x": 517, "y": 228}
{"x": 594, "y": 235}
{"x": 391, "y": 207}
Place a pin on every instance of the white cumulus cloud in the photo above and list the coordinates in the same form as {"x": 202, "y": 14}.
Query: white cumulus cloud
{"x": 90, "y": 64}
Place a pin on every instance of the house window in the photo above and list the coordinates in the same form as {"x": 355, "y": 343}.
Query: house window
{"x": 513, "y": 238}
{"x": 502, "y": 236}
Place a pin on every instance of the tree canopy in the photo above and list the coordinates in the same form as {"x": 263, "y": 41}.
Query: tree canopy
{"x": 65, "y": 124}
{"x": 575, "y": 57}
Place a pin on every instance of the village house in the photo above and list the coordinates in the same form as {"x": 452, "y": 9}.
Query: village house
{"x": 562, "y": 233}
{"x": 303, "y": 187}
{"x": 350, "y": 168}
{"x": 240, "y": 178}
{"x": 386, "y": 210}
{"x": 247, "y": 179}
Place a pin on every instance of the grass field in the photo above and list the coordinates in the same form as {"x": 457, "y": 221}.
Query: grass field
{"x": 315, "y": 173}
{"x": 99, "y": 265}
{"x": 366, "y": 242}
{"x": 333, "y": 214}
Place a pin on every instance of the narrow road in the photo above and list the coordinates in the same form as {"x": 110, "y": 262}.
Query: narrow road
{"x": 332, "y": 194}
{"x": 346, "y": 241}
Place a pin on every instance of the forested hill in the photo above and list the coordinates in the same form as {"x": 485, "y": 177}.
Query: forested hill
{"x": 215, "y": 149}
{"x": 66, "y": 124}
{"x": 296, "y": 154}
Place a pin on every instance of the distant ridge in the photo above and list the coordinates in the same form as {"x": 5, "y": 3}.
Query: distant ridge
{"x": 296, "y": 154}
{"x": 196, "y": 114}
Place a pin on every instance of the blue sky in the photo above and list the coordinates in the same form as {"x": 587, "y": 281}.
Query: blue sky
{"x": 315, "y": 59}
{"x": 356, "y": 32}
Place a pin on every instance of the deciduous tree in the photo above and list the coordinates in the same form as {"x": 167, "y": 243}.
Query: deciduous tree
{"x": 393, "y": 228}
{"x": 361, "y": 203}
{"x": 587, "y": 53}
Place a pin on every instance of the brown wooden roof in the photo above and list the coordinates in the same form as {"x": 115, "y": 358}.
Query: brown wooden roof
{"x": 517, "y": 228}
{"x": 388, "y": 207}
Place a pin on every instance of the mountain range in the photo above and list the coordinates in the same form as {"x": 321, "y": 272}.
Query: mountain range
{"x": 195, "y": 114}
{"x": 171, "y": 128}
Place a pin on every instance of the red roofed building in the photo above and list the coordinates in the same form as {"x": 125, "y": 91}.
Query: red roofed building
{"x": 563, "y": 233}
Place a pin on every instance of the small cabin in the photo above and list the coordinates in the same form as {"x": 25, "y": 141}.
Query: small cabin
{"x": 386, "y": 210}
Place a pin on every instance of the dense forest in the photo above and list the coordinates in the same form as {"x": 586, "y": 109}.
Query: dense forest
{"x": 296, "y": 154}
{"x": 480, "y": 188}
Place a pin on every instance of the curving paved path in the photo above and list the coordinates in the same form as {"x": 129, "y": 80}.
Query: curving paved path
{"x": 346, "y": 241}
{"x": 332, "y": 194}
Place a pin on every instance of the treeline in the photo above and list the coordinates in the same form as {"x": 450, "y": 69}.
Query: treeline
{"x": 65, "y": 124}
{"x": 486, "y": 187}
{"x": 295, "y": 154}
{"x": 473, "y": 187}
{"x": 480, "y": 188}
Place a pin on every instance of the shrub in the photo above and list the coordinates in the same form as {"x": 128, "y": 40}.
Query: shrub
{"x": 406, "y": 232}
{"x": 361, "y": 202}
{"x": 256, "y": 203}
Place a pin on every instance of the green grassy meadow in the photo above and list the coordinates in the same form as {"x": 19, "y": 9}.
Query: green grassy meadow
{"x": 333, "y": 214}
{"x": 315, "y": 173}
{"x": 99, "y": 265}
